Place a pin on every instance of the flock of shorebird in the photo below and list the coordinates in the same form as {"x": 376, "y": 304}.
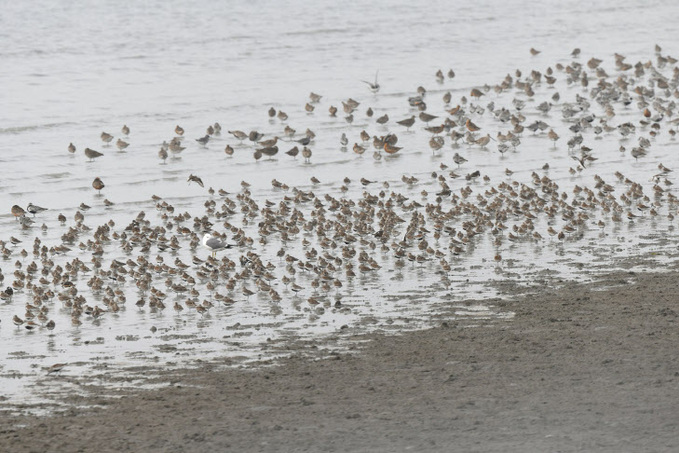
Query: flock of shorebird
{"x": 309, "y": 247}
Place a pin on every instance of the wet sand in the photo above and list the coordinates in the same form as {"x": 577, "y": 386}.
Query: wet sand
{"x": 583, "y": 367}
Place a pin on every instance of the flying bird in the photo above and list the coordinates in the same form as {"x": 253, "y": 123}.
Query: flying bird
{"x": 373, "y": 87}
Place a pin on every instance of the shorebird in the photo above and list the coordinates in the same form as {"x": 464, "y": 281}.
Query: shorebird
{"x": 98, "y": 184}
{"x": 125, "y": 130}
{"x": 373, "y": 87}
{"x": 162, "y": 153}
{"x": 121, "y": 144}
{"x": 255, "y": 136}
{"x": 471, "y": 126}
{"x": 268, "y": 143}
{"x": 18, "y": 211}
{"x": 304, "y": 140}
{"x": 203, "y": 140}
{"x": 408, "y": 122}
{"x": 106, "y": 137}
{"x": 92, "y": 154}
{"x": 214, "y": 244}
{"x": 459, "y": 160}
{"x": 269, "y": 151}
{"x": 306, "y": 154}
{"x": 57, "y": 367}
{"x": 196, "y": 179}
{"x": 179, "y": 130}
{"x": 71, "y": 148}
{"x": 382, "y": 119}
{"x": 390, "y": 149}
{"x": 427, "y": 117}
{"x": 476, "y": 93}
{"x": 33, "y": 209}
{"x": 176, "y": 146}
{"x": 436, "y": 143}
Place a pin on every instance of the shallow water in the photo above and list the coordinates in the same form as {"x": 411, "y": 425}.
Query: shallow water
{"x": 73, "y": 70}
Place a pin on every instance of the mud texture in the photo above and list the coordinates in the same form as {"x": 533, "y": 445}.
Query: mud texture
{"x": 581, "y": 367}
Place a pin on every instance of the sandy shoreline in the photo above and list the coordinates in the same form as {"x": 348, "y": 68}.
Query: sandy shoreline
{"x": 586, "y": 367}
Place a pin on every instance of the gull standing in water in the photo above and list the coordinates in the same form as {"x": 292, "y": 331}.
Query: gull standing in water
{"x": 214, "y": 244}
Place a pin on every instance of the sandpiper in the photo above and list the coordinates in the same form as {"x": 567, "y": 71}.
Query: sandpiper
{"x": 18, "y": 211}
{"x": 469, "y": 124}
{"x": 389, "y": 149}
{"x": 92, "y": 154}
{"x": 122, "y": 144}
{"x": 196, "y": 179}
{"x": 408, "y": 122}
{"x": 203, "y": 140}
{"x": 98, "y": 184}
{"x": 382, "y": 119}
{"x": 125, "y": 130}
{"x": 71, "y": 148}
{"x": 240, "y": 135}
{"x": 476, "y": 93}
{"x": 427, "y": 117}
{"x": 33, "y": 209}
{"x": 57, "y": 367}
{"x": 306, "y": 154}
{"x": 375, "y": 86}
{"x": 255, "y": 136}
{"x": 269, "y": 151}
{"x": 459, "y": 160}
{"x": 106, "y": 137}
{"x": 268, "y": 143}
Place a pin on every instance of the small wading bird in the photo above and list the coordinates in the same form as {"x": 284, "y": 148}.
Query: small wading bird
{"x": 373, "y": 87}
{"x": 196, "y": 179}
{"x": 98, "y": 184}
{"x": 18, "y": 211}
{"x": 57, "y": 367}
{"x": 92, "y": 154}
{"x": 214, "y": 244}
{"x": 33, "y": 209}
{"x": 106, "y": 137}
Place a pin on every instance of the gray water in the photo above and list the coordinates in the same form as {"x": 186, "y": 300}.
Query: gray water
{"x": 71, "y": 70}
